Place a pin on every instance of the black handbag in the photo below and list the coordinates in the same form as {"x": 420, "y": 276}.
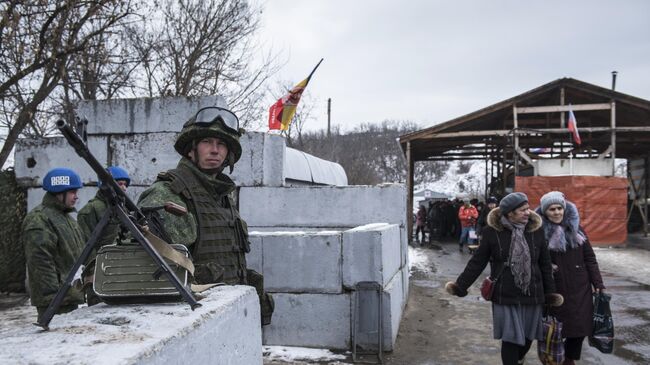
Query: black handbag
{"x": 602, "y": 336}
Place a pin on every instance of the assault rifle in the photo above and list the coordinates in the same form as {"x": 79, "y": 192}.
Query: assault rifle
{"x": 131, "y": 218}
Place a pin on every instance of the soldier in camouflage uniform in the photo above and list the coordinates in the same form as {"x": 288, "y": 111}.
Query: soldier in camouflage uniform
{"x": 213, "y": 230}
{"x": 88, "y": 218}
{"x": 53, "y": 241}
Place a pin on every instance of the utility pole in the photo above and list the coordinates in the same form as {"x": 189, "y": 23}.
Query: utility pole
{"x": 329, "y": 115}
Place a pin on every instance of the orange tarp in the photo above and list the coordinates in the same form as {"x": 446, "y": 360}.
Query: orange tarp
{"x": 601, "y": 201}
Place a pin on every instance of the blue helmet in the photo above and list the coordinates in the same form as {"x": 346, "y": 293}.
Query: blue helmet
{"x": 61, "y": 179}
{"x": 119, "y": 173}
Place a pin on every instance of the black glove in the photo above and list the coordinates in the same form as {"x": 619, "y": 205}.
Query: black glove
{"x": 553, "y": 299}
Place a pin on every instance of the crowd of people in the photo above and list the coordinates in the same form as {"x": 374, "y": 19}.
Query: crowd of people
{"x": 461, "y": 218}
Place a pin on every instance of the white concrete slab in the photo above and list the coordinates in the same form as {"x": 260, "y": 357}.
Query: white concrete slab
{"x": 371, "y": 253}
{"x": 302, "y": 262}
{"x": 323, "y": 206}
{"x": 394, "y": 302}
{"x": 35, "y": 157}
{"x": 262, "y": 160}
{"x": 144, "y": 155}
{"x": 143, "y": 115}
{"x": 310, "y": 320}
{"x": 168, "y": 333}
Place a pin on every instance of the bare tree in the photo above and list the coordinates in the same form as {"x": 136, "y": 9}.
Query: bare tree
{"x": 38, "y": 41}
{"x": 191, "y": 48}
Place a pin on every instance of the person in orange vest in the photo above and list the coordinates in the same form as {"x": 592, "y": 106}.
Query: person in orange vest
{"x": 467, "y": 215}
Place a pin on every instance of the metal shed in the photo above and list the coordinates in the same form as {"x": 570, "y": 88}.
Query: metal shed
{"x": 514, "y": 135}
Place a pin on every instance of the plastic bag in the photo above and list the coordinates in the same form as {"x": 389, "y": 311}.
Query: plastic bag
{"x": 602, "y": 336}
{"x": 551, "y": 350}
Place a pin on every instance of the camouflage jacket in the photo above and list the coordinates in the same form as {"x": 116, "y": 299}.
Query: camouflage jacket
{"x": 52, "y": 241}
{"x": 90, "y": 215}
{"x": 181, "y": 229}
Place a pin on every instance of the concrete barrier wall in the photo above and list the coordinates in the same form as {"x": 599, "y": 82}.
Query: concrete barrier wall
{"x": 323, "y": 206}
{"x": 309, "y": 272}
{"x": 35, "y": 157}
{"x": 371, "y": 253}
{"x": 143, "y": 115}
{"x": 311, "y": 320}
{"x": 225, "y": 330}
{"x": 144, "y": 156}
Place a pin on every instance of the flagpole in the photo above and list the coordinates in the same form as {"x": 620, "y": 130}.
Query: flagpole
{"x": 314, "y": 70}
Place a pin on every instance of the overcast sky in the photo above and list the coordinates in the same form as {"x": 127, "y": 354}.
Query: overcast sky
{"x": 431, "y": 61}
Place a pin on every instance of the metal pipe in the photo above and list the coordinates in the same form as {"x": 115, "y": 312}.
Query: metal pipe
{"x": 614, "y": 73}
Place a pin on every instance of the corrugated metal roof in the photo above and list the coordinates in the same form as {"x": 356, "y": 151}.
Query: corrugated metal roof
{"x": 302, "y": 166}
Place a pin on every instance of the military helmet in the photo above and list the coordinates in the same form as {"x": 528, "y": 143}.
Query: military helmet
{"x": 210, "y": 122}
{"x": 61, "y": 179}
{"x": 118, "y": 173}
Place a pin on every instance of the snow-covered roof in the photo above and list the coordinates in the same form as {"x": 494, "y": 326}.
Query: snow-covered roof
{"x": 301, "y": 166}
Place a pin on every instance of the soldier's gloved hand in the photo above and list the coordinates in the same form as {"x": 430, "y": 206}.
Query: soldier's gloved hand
{"x": 453, "y": 289}
{"x": 208, "y": 273}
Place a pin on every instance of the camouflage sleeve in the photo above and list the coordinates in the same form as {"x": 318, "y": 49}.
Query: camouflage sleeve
{"x": 40, "y": 248}
{"x": 87, "y": 219}
{"x": 181, "y": 230}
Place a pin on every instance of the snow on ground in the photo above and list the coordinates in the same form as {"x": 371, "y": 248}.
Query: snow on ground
{"x": 293, "y": 354}
{"x": 418, "y": 260}
{"x": 625, "y": 262}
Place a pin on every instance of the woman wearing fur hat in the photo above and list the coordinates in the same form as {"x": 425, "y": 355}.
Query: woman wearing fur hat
{"x": 520, "y": 264}
{"x": 575, "y": 270}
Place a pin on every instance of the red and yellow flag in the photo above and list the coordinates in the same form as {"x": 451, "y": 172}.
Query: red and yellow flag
{"x": 281, "y": 113}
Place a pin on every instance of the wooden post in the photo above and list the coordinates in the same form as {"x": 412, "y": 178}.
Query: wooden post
{"x": 515, "y": 155}
{"x": 486, "y": 173}
{"x": 613, "y": 141}
{"x": 329, "y": 113}
{"x": 562, "y": 122}
{"x": 409, "y": 191}
{"x": 645, "y": 193}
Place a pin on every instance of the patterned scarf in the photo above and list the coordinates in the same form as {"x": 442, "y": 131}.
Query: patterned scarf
{"x": 519, "y": 255}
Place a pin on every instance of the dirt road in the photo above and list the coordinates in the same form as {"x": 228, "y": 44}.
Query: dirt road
{"x": 440, "y": 329}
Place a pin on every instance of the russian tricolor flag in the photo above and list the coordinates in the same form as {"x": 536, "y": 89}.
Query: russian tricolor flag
{"x": 573, "y": 127}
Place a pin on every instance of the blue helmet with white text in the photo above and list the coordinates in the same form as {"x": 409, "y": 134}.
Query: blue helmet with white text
{"x": 61, "y": 179}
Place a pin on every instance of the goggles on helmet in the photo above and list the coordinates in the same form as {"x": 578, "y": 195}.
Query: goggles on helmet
{"x": 213, "y": 114}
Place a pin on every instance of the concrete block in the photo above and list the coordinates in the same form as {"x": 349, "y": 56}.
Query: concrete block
{"x": 371, "y": 253}
{"x": 143, "y": 115}
{"x": 406, "y": 274}
{"x": 254, "y": 259}
{"x": 394, "y": 302}
{"x": 302, "y": 262}
{"x": 225, "y": 330}
{"x": 310, "y": 320}
{"x": 404, "y": 247}
{"x": 323, "y": 206}
{"x": 144, "y": 155}
{"x": 262, "y": 160}
{"x": 35, "y": 157}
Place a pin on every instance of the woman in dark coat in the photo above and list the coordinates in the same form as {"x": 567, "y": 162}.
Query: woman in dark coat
{"x": 515, "y": 246}
{"x": 575, "y": 270}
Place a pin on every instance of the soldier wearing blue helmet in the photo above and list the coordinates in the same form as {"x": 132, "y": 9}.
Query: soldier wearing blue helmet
{"x": 90, "y": 215}
{"x": 53, "y": 240}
